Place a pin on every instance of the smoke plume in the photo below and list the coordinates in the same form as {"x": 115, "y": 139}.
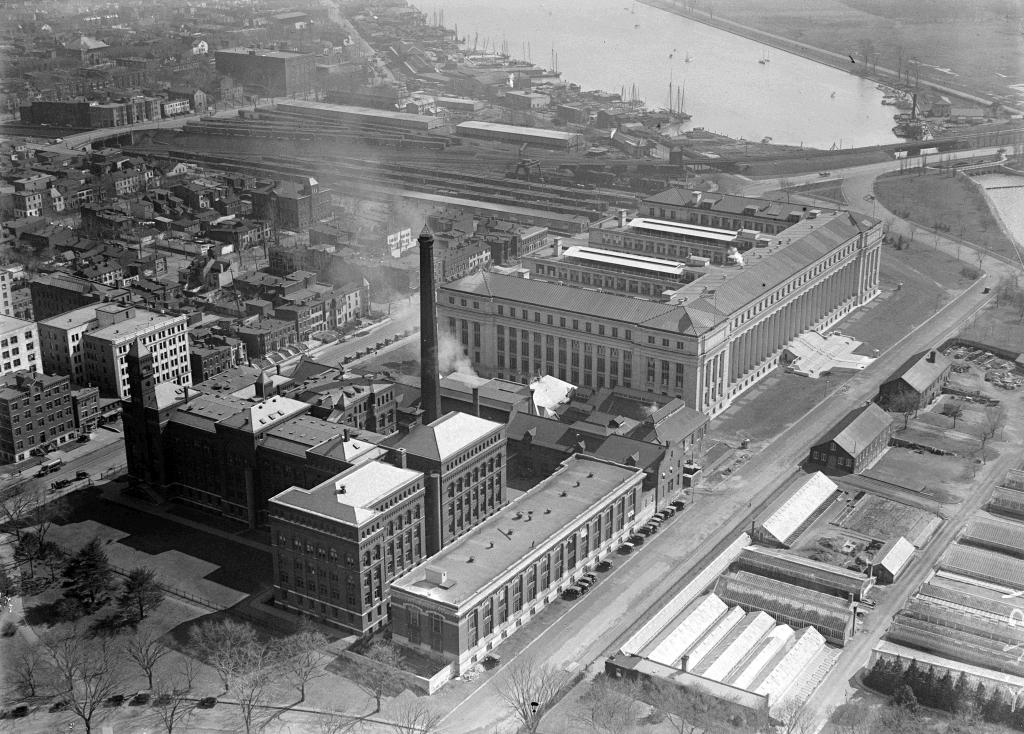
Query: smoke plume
{"x": 450, "y": 357}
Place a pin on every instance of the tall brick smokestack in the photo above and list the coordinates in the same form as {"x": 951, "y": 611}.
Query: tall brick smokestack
{"x": 430, "y": 380}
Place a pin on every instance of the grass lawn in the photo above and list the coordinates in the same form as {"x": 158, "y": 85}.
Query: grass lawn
{"x": 939, "y": 199}
{"x": 239, "y": 567}
{"x": 998, "y": 324}
{"x": 948, "y": 479}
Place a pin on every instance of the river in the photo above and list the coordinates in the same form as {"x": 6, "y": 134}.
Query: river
{"x": 611, "y": 44}
{"x": 1006, "y": 195}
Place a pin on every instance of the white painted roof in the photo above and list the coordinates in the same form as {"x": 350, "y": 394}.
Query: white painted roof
{"x": 800, "y": 505}
{"x": 703, "y": 613}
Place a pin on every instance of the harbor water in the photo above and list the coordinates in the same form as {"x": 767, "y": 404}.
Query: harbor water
{"x": 616, "y": 44}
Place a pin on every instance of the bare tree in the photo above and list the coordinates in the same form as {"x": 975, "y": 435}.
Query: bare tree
{"x": 337, "y": 722}
{"x": 253, "y": 679}
{"x": 88, "y": 672}
{"x": 906, "y": 404}
{"x": 379, "y": 675}
{"x": 688, "y": 710}
{"x": 855, "y": 717}
{"x": 529, "y": 688}
{"x": 172, "y": 708}
{"x": 991, "y": 425}
{"x": 146, "y": 649}
{"x": 221, "y": 644}
{"x": 607, "y": 707}
{"x": 795, "y": 717}
{"x": 953, "y": 409}
{"x": 415, "y": 717}
{"x": 29, "y": 671}
{"x": 189, "y": 668}
{"x": 18, "y": 502}
{"x": 301, "y": 657}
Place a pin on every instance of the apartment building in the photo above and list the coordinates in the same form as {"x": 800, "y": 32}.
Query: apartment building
{"x": 36, "y": 414}
{"x": 118, "y": 327}
{"x": 19, "y": 346}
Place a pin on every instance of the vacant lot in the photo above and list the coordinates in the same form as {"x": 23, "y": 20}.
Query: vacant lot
{"x": 947, "y": 478}
{"x": 939, "y": 200}
{"x": 883, "y": 519}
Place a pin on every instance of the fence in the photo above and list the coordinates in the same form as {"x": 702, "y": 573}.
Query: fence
{"x": 430, "y": 685}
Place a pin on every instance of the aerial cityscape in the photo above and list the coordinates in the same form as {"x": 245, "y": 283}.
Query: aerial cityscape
{"x": 537, "y": 367}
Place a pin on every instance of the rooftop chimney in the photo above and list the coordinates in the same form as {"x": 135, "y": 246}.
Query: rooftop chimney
{"x": 430, "y": 387}
{"x": 476, "y": 401}
{"x": 403, "y": 459}
{"x": 931, "y": 356}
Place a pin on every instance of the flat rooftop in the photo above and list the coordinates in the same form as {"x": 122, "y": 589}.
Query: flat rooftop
{"x": 475, "y": 561}
{"x": 71, "y": 319}
{"x": 143, "y": 321}
{"x": 349, "y": 497}
{"x": 343, "y": 109}
{"x": 270, "y": 53}
{"x": 498, "y": 127}
{"x": 9, "y": 324}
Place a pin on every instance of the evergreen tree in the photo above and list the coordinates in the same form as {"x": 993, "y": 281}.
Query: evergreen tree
{"x": 945, "y": 693}
{"x": 980, "y": 697}
{"x": 996, "y": 709}
{"x": 909, "y": 677}
{"x": 961, "y": 694}
{"x": 87, "y": 576}
{"x": 878, "y": 676}
{"x": 904, "y": 698}
{"x": 926, "y": 690}
{"x": 140, "y": 593}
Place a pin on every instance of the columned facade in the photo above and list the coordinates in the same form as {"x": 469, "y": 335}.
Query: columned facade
{"x": 707, "y": 349}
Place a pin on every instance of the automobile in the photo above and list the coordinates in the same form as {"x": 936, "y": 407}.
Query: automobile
{"x": 114, "y": 701}
{"x": 591, "y": 577}
{"x": 669, "y": 511}
{"x": 824, "y": 174}
{"x": 651, "y": 529}
{"x": 660, "y": 516}
{"x": 868, "y": 602}
{"x": 626, "y": 548}
{"x": 162, "y": 699}
{"x": 605, "y": 565}
{"x": 637, "y": 539}
{"x": 654, "y": 521}
{"x": 84, "y": 438}
{"x": 59, "y": 705}
{"x": 645, "y": 531}
{"x": 81, "y": 474}
{"x": 869, "y": 197}
{"x": 206, "y": 703}
{"x": 140, "y": 699}
{"x": 678, "y": 504}
{"x": 585, "y": 584}
{"x": 573, "y": 592}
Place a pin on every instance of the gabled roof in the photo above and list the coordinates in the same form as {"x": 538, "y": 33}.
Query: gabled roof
{"x": 895, "y": 554}
{"x": 922, "y": 370}
{"x": 859, "y": 428}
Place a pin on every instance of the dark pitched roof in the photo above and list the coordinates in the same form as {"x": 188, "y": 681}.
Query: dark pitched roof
{"x": 919, "y": 373}
{"x": 859, "y": 428}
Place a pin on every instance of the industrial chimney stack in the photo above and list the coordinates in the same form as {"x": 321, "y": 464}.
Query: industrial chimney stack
{"x": 430, "y": 380}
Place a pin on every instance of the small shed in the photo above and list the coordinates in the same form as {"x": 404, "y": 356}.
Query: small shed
{"x": 892, "y": 559}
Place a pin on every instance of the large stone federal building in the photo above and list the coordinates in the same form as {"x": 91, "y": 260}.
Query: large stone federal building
{"x": 711, "y": 340}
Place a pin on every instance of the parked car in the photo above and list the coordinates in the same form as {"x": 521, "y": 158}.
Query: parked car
{"x": 115, "y": 701}
{"x": 637, "y": 539}
{"x": 81, "y": 474}
{"x": 140, "y": 699}
{"x": 84, "y": 438}
{"x": 656, "y": 520}
{"x": 605, "y": 565}
{"x": 678, "y": 504}
{"x": 18, "y": 712}
{"x": 626, "y": 548}
{"x": 589, "y": 577}
{"x": 206, "y": 703}
{"x": 59, "y": 706}
{"x": 669, "y": 511}
{"x": 645, "y": 531}
{"x": 573, "y": 592}
{"x": 585, "y": 584}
